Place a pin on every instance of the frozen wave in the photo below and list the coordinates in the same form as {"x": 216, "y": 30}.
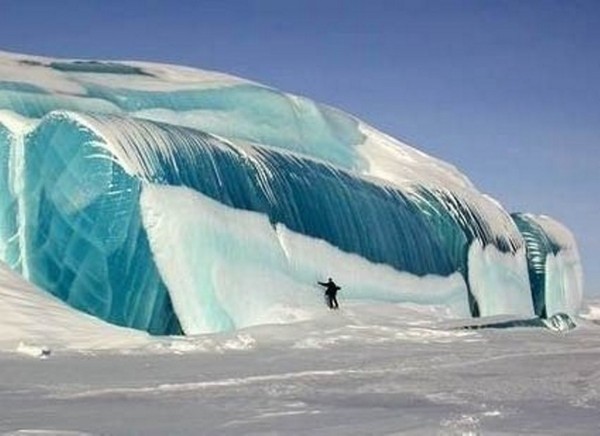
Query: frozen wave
{"x": 78, "y": 191}
{"x": 235, "y": 269}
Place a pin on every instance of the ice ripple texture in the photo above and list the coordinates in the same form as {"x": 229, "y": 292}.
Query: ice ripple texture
{"x": 175, "y": 200}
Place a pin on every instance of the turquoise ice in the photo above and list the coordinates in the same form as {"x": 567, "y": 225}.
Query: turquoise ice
{"x": 109, "y": 172}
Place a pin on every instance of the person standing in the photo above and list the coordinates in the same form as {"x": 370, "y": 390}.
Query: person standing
{"x": 331, "y": 289}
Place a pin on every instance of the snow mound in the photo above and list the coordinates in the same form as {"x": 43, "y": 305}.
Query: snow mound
{"x": 33, "y": 322}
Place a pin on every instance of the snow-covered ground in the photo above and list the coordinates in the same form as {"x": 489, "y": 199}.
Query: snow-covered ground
{"x": 367, "y": 369}
{"x": 32, "y": 320}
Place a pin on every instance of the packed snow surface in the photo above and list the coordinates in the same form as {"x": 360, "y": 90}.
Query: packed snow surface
{"x": 369, "y": 368}
{"x": 33, "y": 320}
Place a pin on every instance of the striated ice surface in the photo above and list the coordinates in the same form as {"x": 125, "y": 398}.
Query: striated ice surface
{"x": 553, "y": 263}
{"x": 174, "y": 200}
{"x": 235, "y": 269}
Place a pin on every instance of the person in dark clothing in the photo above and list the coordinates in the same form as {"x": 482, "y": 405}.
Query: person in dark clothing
{"x": 331, "y": 290}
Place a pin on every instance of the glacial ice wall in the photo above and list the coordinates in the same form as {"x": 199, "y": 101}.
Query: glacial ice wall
{"x": 553, "y": 263}
{"x": 83, "y": 236}
{"x": 169, "y": 199}
{"x": 8, "y": 225}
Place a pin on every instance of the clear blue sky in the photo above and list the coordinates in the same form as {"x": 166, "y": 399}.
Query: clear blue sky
{"x": 508, "y": 91}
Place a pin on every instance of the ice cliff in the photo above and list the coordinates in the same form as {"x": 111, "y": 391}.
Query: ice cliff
{"x": 172, "y": 200}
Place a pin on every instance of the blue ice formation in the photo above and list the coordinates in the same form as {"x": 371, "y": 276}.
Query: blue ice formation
{"x": 174, "y": 200}
{"x": 552, "y": 263}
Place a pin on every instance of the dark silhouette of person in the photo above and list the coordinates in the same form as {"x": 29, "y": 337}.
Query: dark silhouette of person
{"x": 331, "y": 290}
